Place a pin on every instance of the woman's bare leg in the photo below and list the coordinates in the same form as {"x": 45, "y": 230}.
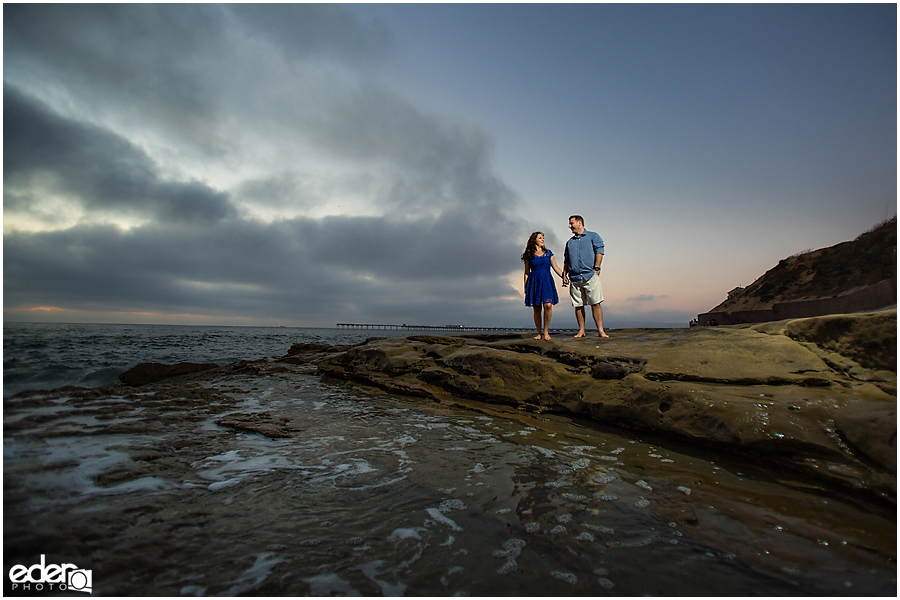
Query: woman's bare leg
{"x": 548, "y": 314}
{"x": 537, "y": 321}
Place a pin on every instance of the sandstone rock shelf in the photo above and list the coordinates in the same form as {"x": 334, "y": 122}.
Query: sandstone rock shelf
{"x": 813, "y": 401}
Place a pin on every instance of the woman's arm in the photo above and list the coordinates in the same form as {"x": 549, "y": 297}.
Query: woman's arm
{"x": 556, "y": 268}
{"x": 527, "y": 270}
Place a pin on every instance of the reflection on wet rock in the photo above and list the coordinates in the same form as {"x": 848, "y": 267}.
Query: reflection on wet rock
{"x": 605, "y": 583}
{"x": 567, "y": 577}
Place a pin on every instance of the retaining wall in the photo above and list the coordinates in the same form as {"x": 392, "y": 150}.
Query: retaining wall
{"x": 874, "y": 297}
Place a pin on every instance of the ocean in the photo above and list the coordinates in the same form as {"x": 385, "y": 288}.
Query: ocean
{"x": 51, "y": 355}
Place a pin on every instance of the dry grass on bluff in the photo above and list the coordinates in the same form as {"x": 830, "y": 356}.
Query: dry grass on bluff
{"x": 823, "y": 273}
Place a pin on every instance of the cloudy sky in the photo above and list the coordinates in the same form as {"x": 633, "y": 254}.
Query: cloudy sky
{"x": 304, "y": 165}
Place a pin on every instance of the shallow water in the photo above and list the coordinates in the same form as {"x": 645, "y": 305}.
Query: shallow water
{"x": 380, "y": 495}
{"x": 51, "y": 355}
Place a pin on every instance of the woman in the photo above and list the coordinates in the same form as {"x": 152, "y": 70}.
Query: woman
{"x": 540, "y": 289}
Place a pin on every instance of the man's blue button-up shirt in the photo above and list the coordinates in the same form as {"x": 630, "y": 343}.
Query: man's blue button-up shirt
{"x": 580, "y": 252}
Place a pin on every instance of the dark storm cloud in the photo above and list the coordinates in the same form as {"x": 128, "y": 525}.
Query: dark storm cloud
{"x": 281, "y": 189}
{"x": 204, "y": 77}
{"x": 100, "y": 168}
{"x": 301, "y": 30}
{"x": 133, "y": 55}
{"x": 453, "y": 246}
{"x": 344, "y": 267}
{"x": 185, "y": 66}
{"x": 248, "y": 86}
{"x": 435, "y": 162}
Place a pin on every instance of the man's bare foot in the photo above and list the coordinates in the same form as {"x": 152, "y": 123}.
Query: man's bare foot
{"x": 547, "y": 337}
{"x": 603, "y": 334}
{"x": 580, "y": 334}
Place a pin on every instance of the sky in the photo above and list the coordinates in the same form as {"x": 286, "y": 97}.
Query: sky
{"x": 307, "y": 165}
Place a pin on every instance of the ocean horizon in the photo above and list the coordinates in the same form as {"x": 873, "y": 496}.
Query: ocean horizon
{"x": 52, "y": 355}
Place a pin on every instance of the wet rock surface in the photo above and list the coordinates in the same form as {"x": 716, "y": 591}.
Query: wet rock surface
{"x": 146, "y": 373}
{"x": 814, "y": 398}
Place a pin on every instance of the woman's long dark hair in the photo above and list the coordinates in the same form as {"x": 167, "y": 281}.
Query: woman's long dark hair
{"x": 531, "y": 247}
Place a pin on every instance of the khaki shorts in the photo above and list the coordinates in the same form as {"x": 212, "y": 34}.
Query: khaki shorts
{"x": 589, "y": 292}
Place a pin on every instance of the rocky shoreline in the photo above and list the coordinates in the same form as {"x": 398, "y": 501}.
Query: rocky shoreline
{"x": 813, "y": 402}
{"x": 205, "y": 479}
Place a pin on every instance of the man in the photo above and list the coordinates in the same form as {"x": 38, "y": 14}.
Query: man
{"x": 584, "y": 253}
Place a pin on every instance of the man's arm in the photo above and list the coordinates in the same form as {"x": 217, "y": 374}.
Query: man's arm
{"x": 599, "y": 250}
{"x": 597, "y": 242}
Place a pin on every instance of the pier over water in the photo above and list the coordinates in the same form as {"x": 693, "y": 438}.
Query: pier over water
{"x": 428, "y": 327}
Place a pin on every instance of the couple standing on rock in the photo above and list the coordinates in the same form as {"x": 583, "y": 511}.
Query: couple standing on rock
{"x": 581, "y": 269}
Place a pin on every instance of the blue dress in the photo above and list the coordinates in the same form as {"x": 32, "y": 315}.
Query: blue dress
{"x": 540, "y": 287}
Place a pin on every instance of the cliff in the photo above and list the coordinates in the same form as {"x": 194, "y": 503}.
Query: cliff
{"x": 839, "y": 270}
